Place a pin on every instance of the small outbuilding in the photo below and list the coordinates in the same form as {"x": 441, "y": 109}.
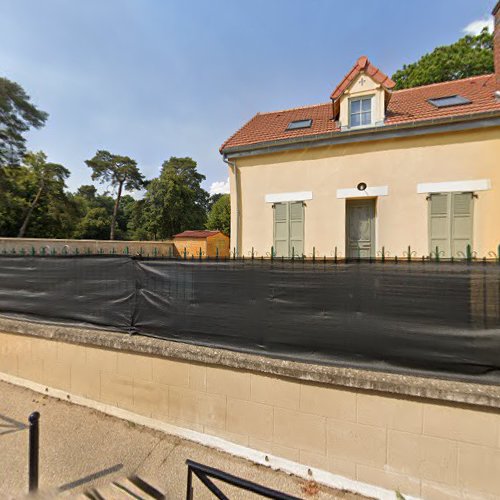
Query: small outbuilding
{"x": 210, "y": 243}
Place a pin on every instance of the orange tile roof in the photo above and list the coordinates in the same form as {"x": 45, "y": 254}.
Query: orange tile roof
{"x": 196, "y": 234}
{"x": 405, "y": 106}
{"x": 362, "y": 64}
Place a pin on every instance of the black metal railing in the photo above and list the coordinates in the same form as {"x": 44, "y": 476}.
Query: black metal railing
{"x": 335, "y": 255}
{"x": 205, "y": 474}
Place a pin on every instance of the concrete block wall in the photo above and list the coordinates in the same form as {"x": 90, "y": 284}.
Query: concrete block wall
{"x": 420, "y": 447}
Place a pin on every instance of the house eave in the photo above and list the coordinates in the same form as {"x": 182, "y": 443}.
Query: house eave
{"x": 381, "y": 132}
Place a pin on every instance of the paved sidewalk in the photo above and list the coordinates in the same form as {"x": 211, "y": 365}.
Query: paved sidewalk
{"x": 80, "y": 448}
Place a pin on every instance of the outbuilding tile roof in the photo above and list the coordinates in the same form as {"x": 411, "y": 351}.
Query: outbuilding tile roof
{"x": 405, "y": 106}
{"x": 202, "y": 233}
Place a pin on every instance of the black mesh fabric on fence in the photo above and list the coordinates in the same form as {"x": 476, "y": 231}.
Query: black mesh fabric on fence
{"x": 96, "y": 290}
{"x": 417, "y": 318}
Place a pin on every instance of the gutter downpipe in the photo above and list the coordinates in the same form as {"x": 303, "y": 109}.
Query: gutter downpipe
{"x": 234, "y": 168}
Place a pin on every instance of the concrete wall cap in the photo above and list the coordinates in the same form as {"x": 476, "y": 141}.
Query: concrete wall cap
{"x": 391, "y": 383}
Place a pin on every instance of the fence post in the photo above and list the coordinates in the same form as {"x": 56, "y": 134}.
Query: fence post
{"x": 469, "y": 253}
{"x": 34, "y": 434}
{"x": 272, "y": 252}
{"x": 314, "y": 255}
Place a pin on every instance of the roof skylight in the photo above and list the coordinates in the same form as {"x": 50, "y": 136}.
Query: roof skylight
{"x": 451, "y": 100}
{"x": 299, "y": 124}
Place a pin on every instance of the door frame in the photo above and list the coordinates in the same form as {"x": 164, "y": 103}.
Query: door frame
{"x": 373, "y": 230}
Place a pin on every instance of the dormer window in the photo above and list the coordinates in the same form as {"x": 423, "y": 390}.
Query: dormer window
{"x": 360, "y": 111}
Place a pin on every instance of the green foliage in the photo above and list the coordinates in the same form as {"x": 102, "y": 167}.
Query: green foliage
{"x": 116, "y": 170}
{"x": 94, "y": 225}
{"x": 469, "y": 56}
{"x": 17, "y": 115}
{"x": 47, "y": 181}
{"x": 175, "y": 201}
{"x": 34, "y": 199}
{"x": 213, "y": 198}
{"x": 219, "y": 216}
{"x": 15, "y": 191}
{"x": 95, "y": 212}
{"x": 121, "y": 172}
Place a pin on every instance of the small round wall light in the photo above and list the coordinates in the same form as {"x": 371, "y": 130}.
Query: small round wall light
{"x": 361, "y": 186}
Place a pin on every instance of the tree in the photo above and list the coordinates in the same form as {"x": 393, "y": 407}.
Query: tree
{"x": 213, "y": 198}
{"x": 95, "y": 212}
{"x": 175, "y": 201}
{"x": 219, "y": 217}
{"x": 49, "y": 177}
{"x": 17, "y": 115}
{"x": 13, "y": 194}
{"x": 469, "y": 56}
{"x": 93, "y": 225}
{"x": 121, "y": 172}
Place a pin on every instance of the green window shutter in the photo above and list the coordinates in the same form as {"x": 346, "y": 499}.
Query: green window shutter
{"x": 281, "y": 236}
{"x": 439, "y": 223}
{"x": 461, "y": 223}
{"x": 297, "y": 228}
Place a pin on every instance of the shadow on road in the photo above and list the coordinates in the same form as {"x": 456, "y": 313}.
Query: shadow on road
{"x": 91, "y": 477}
{"x": 9, "y": 425}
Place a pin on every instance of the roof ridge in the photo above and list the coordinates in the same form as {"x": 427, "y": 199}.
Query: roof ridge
{"x": 363, "y": 64}
{"x": 444, "y": 83}
{"x": 296, "y": 108}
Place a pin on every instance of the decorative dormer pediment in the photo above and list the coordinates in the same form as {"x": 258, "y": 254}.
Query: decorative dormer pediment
{"x": 361, "y": 99}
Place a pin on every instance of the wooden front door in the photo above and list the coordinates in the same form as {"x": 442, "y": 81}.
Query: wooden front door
{"x": 360, "y": 228}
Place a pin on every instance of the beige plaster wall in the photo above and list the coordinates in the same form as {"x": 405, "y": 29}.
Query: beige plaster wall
{"x": 417, "y": 446}
{"x": 40, "y": 245}
{"x": 399, "y": 164}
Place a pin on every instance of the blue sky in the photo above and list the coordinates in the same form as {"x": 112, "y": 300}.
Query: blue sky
{"x": 157, "y": 78}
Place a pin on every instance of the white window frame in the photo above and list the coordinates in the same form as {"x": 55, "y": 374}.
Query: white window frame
{"x": 361, "y": 98}
{"x": 454, "y": 186}
{"x": 284, "y": 197}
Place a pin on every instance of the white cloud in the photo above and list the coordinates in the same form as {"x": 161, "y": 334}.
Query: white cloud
{"x": 475, "y": 27}
{"x": 219, "y": 187}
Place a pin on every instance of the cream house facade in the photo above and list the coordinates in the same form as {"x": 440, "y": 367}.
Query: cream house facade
{"x": 372, "y": 170}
